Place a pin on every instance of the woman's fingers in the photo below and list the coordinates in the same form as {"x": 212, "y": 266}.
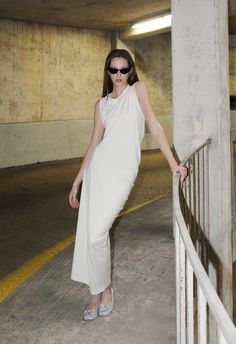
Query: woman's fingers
{"x": 75, "y": 204}
{"x": 183, "y": 172}
{"x": 73, "y": 199}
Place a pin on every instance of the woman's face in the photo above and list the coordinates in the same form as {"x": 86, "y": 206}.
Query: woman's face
{"x": 119, "y": 79}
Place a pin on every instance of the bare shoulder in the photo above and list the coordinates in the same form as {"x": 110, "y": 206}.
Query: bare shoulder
{"x": 97, "y": 115}
{"x": 96, "y": 107}
{"x": 139, "y": 85}
{"x": 97, "y": 103}
{"x": 141, "y": 89}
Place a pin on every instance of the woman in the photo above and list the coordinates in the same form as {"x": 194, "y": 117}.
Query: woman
{"x": 108, "y": 172}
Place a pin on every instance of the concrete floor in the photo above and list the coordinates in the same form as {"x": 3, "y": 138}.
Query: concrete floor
{"x": 34, "y": 208}
{"x": 48, "y": 307}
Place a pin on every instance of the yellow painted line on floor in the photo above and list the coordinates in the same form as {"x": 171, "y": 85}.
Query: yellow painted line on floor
{"x": 124, "y": 212}
{"x": 15, "y": 279}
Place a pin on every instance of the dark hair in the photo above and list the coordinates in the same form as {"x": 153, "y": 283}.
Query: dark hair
{"x": 107, "y": 83}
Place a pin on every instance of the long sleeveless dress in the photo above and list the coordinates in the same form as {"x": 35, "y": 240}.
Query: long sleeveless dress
{"x": 107, "y": 181}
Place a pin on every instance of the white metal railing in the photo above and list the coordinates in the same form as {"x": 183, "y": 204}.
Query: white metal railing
{"x": 190, "y": 230}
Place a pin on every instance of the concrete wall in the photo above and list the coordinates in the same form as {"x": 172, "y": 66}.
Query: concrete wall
{"x": 152, "y": 57}
{"x": 153, "y": 61}
{"x": 50, "y": 78}
{"x": 232, "y": 71}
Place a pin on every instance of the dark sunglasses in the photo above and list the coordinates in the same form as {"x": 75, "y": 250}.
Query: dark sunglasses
{"x": 122, "y": 70}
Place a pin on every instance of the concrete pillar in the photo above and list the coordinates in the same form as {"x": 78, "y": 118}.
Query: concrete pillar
{"x": 117, "y": 43}
{"x": 201, "y": 110}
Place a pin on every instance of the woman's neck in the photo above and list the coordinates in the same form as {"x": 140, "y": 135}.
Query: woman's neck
{"x": 117, "y": 90}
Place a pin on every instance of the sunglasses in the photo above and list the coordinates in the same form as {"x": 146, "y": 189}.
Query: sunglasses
{"x": 122, "y": 70}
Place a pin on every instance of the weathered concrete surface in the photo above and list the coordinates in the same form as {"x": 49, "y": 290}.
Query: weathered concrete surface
{"x": 34, "y": 208}
{"x": 201, "y": 111}
{"x": 50, "y": 72}
{"x": 50, "y": 79}
{"x": 232, "y": 68}
{"x": 25, "y": 143}
{"x": 90, "y": 14}
{"x": 84, "y": 14}
{"x": 48, "y": 308}
{"x": 152, "y": 58}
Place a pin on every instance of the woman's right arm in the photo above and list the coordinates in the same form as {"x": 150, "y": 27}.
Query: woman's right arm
{"x": 97, "y": 135}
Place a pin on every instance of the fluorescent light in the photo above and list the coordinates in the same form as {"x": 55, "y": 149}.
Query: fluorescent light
{"x": 153, "y": 24}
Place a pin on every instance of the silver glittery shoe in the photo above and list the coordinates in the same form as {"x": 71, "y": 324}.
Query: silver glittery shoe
{"x": 106, "y": 309}
{"x": 91, "y": 313}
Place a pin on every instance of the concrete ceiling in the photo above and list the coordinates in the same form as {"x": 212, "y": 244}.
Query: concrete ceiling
{"x": 93, "y": 14}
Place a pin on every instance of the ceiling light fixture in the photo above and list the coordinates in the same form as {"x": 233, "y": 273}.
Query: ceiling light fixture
{"x": 153, "y": 24}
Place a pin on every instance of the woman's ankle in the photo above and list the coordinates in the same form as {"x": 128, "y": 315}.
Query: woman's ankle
{"x": 96, "y": 296}
{"x": 108, "y": 288}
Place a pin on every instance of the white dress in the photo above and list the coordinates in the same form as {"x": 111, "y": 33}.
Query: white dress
{"x": 107, "y": 181}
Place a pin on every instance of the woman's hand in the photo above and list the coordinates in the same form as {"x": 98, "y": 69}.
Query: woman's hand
{"x": 182, "y": 170}
{"x": 73, "y": 196}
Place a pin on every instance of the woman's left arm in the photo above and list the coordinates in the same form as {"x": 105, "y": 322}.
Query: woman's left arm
{"x": 156, "y": 129}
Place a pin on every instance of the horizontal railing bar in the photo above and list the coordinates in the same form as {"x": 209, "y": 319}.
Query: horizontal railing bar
{"x": 221, "y": 316}
{"x": 206, "y": 143}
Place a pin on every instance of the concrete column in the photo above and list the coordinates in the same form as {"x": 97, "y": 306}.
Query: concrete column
{"x": 117, "y": 43}
{"x": 201, "y": 111}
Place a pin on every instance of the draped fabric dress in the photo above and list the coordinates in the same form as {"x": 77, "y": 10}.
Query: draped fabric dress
{"x": 107, "y": 181}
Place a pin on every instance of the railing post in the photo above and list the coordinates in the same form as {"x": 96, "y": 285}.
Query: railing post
{"x": 190, "y": 308}
{"x": 222, "y": 339}
{"x": 177, "y": 272}
{"x": 182, "y": 264}
{"x": 202, "y": 319}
